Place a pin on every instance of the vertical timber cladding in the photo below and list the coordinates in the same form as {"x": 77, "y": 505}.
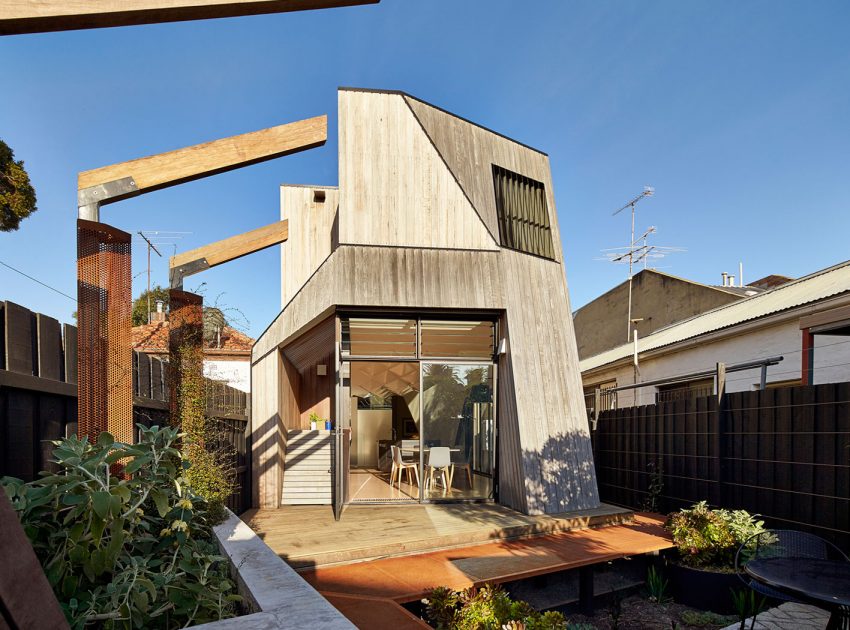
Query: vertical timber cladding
{"x": 104, "y": 318}
{"x": 185, "y": 347}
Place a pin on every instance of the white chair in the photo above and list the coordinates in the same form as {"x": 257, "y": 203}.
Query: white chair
{"x": 399, "y": 466}
{"x": 439, "y": 460}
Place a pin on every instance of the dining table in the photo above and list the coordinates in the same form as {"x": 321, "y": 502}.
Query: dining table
{"x": 822, "y": 583}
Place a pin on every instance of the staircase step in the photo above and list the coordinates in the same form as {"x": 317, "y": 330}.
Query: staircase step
{"x": 305, "y": 501}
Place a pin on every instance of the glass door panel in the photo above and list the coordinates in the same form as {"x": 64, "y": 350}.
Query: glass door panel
{"x": 383, "y": 412}
{"x": 458, "y": 431}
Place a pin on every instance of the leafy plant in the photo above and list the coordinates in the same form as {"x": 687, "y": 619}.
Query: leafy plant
{"x": 657, "y": 586}
{"x": 125, "y": 551}
{"x": 656, "y": 487}
{"x": 710, "y": 538}
{"x": 747, "y": 605}
{"x": 485, "y": 608}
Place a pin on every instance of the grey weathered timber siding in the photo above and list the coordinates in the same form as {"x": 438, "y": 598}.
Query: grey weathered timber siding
{"x": 542, "y": 370}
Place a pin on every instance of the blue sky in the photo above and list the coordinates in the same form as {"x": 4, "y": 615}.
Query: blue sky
{"x": 738, "y": 113}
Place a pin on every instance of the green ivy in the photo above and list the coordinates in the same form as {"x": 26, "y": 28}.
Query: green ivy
{"x": 133, "y": 550}
{"x": 212, "y": 473}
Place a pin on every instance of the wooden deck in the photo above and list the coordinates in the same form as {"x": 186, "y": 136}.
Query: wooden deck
{"x": 307, "y": 537}
{"x": 370, "y": 593}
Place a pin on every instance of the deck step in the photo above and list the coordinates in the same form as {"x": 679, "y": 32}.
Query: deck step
{"x": 293, "y": 501}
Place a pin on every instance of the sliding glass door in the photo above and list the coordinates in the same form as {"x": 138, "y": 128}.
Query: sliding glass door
{"x": 458, "y": 430}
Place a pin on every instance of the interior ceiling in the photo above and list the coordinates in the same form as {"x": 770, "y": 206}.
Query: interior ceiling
{"x": 384, "y": 379}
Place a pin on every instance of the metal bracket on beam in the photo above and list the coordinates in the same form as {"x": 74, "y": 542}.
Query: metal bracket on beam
{"x": 90, "y": 199}
{"x": 176, "y": 274}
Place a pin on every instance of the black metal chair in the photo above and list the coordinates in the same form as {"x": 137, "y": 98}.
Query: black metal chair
{"x": 782, "y": 543}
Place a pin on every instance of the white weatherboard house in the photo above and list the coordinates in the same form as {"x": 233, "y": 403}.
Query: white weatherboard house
{"x": 805, "y": 321}
{"x": 425, "y": 315}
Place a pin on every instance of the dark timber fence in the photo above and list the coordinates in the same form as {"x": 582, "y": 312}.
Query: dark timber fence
{"x": 38, "y": 397}
{"x": 782, "y": 453}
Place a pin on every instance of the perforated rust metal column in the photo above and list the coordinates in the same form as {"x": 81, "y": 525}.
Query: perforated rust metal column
{"x": 104, "y": 320}
{"x": 185, "y": 349}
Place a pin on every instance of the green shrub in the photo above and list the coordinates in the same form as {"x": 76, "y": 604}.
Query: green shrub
{"x": 709, "y": 538}
{"x": 134, "y": 552}
{"x": 485, "y": 608}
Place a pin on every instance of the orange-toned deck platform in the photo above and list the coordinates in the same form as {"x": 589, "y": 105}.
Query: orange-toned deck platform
{"x": 369, "y": 593}
{"x": 306, "y": 536}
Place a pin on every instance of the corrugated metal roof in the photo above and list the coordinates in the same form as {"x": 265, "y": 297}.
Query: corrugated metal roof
{"x": 817, "y": 286}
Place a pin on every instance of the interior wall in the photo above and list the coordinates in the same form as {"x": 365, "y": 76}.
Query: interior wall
{"x": 368, "y": 426}
{"x": 316, "y": 393}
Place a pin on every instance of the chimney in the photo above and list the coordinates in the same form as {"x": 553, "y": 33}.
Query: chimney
{"x": 159, "y": 315}
{"x": 725, "y": 277}
{"x": 731, "y": 281}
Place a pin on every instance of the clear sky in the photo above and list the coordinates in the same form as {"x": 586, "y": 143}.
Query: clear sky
{"x": 738, "y": 113}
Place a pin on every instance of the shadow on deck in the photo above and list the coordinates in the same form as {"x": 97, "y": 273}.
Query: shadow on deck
{"x": 308, "y": 537}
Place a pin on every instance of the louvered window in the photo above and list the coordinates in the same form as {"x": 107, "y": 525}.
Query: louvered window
{"x": 523, "y": 215}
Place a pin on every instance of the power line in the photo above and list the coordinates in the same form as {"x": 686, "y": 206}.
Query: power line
{"x": 37, "y": 280}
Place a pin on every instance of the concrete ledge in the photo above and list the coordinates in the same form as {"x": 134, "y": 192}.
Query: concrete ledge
{"x": 274, "y": 594}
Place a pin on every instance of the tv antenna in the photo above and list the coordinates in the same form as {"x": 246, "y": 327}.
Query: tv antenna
{"x": 152, "y": 239}
{"x": 629, "y": 255}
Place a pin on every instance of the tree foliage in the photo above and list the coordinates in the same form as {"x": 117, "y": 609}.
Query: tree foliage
{"x": 140, "y": 304}
{"x": 17, "y": 196}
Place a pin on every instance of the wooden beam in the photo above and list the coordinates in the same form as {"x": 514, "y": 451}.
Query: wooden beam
{"x": 235, "y": 246}
{"x": 38, "y": 16}
{"x": 201, "y": 160}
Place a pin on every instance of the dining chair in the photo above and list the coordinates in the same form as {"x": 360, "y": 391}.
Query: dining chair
{"x": 461, "y": 463}
{"x": 439, "y": 461}
{"x": 399, "y": 466}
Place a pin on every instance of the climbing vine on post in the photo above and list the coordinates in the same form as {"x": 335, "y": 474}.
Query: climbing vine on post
{"x": 212, "y": 473}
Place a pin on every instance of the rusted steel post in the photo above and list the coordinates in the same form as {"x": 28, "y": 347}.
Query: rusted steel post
{"x": 104, "y": 319}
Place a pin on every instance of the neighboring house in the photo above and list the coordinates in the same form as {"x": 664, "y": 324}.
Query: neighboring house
{"x": 227, "y": 358}
{"x": 805, "y": 321}
{"x": 658, "y": 300}
{"x": 423, "y": 302}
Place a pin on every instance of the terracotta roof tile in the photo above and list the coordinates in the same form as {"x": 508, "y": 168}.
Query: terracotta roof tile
{"x": 153, "y": 338}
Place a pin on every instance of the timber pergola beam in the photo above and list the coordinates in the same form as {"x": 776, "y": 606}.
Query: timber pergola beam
{"x": 39, "y": 16}
{"x": 128, "y": 179}
{"x": 223, "y": 251}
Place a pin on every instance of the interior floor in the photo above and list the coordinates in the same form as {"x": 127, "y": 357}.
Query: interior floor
{"x": 369, "y": 484}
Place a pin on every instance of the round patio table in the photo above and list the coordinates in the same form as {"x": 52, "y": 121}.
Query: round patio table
{"x": 823, "y": 583}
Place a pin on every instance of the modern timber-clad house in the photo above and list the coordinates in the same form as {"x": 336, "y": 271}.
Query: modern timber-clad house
{"x": 425, "y": 314}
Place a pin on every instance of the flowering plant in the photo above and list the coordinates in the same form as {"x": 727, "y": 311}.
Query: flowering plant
{"x": 128, "y": 550}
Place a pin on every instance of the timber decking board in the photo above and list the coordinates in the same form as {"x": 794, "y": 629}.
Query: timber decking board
{"x": 410, "y": 578}
{"x": 308, "y": 536}
{"x": 26, "y": 16}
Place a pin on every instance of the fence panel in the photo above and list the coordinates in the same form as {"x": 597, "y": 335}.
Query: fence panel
{"x": 38, "y": 397}
{"x": 782, "y": 453}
